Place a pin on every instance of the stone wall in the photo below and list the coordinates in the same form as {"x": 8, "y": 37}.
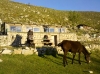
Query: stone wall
{"x": 29, "y": 51}
{"x": 6, "y": 40}
{"x": 42, "y": 50}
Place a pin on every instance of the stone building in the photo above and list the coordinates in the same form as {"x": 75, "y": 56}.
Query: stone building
{"x": 55, "y": 33}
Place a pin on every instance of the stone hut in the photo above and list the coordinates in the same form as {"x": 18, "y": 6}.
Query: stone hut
{"x": 55, "y": 33}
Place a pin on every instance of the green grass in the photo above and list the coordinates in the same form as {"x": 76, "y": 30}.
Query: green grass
{"x": 33, "y": 64}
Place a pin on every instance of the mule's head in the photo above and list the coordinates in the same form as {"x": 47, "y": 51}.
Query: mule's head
{"x": 87, "y": 58}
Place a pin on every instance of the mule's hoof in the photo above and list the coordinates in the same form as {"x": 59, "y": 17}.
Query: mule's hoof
{"x": 72, "y": 63}
{"x": 64, "y": 65}
{"x": 80, "y": 63}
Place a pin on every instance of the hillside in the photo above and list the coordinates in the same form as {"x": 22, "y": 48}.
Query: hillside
{"x": 13, "y": 12}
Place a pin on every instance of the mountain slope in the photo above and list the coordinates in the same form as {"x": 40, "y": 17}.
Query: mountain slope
{"x": 14, "y": 12}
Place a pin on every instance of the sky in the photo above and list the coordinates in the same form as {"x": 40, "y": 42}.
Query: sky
{"x": 67, "y": 5}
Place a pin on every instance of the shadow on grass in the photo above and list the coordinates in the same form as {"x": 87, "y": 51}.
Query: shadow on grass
{"x": 59, "y": 59}
{"x": 45, "y": 52}
{"x": 54, "y": 60}
{"x": 70, "y": 58}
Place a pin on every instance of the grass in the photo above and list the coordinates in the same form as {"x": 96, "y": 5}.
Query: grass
{"x": 33, "y": 64}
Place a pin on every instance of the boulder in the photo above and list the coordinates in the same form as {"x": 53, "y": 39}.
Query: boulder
{"x": 6, "y": 51}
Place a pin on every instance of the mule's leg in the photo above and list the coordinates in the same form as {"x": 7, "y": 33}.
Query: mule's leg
{"x": 73, "y": 57}
{"x": 64, "y": 59}
{"x": 79, "y": 58}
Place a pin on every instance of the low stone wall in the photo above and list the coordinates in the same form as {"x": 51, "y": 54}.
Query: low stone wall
{"x": 45, "y": 50}
{"x": 93, "y": 47}
{"x": 87, "y": 37}
{"x": 29, "y": 51}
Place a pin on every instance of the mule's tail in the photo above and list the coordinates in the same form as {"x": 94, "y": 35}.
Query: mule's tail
{"x": 59, "y": 44}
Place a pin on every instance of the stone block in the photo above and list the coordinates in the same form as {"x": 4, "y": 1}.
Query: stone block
{"x": 17, "y": 51}
{"x": 27, "y": 52}
{"x": 6, "y": 51}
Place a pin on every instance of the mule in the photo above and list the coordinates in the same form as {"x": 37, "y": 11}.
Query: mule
{"x": 73, "y": 47}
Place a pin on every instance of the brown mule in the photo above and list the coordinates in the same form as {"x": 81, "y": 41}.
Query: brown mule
{"x": 74, "y": 47}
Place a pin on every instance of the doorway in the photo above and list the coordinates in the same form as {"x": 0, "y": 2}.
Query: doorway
{"x": 54, "y": 40}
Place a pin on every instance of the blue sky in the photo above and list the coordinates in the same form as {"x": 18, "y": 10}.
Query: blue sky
{"x": 72, "y": 5}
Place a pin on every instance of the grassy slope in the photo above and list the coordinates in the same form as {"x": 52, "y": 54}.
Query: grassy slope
{"x": 13, "y": 12}
{"x": 33, "y": 64}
